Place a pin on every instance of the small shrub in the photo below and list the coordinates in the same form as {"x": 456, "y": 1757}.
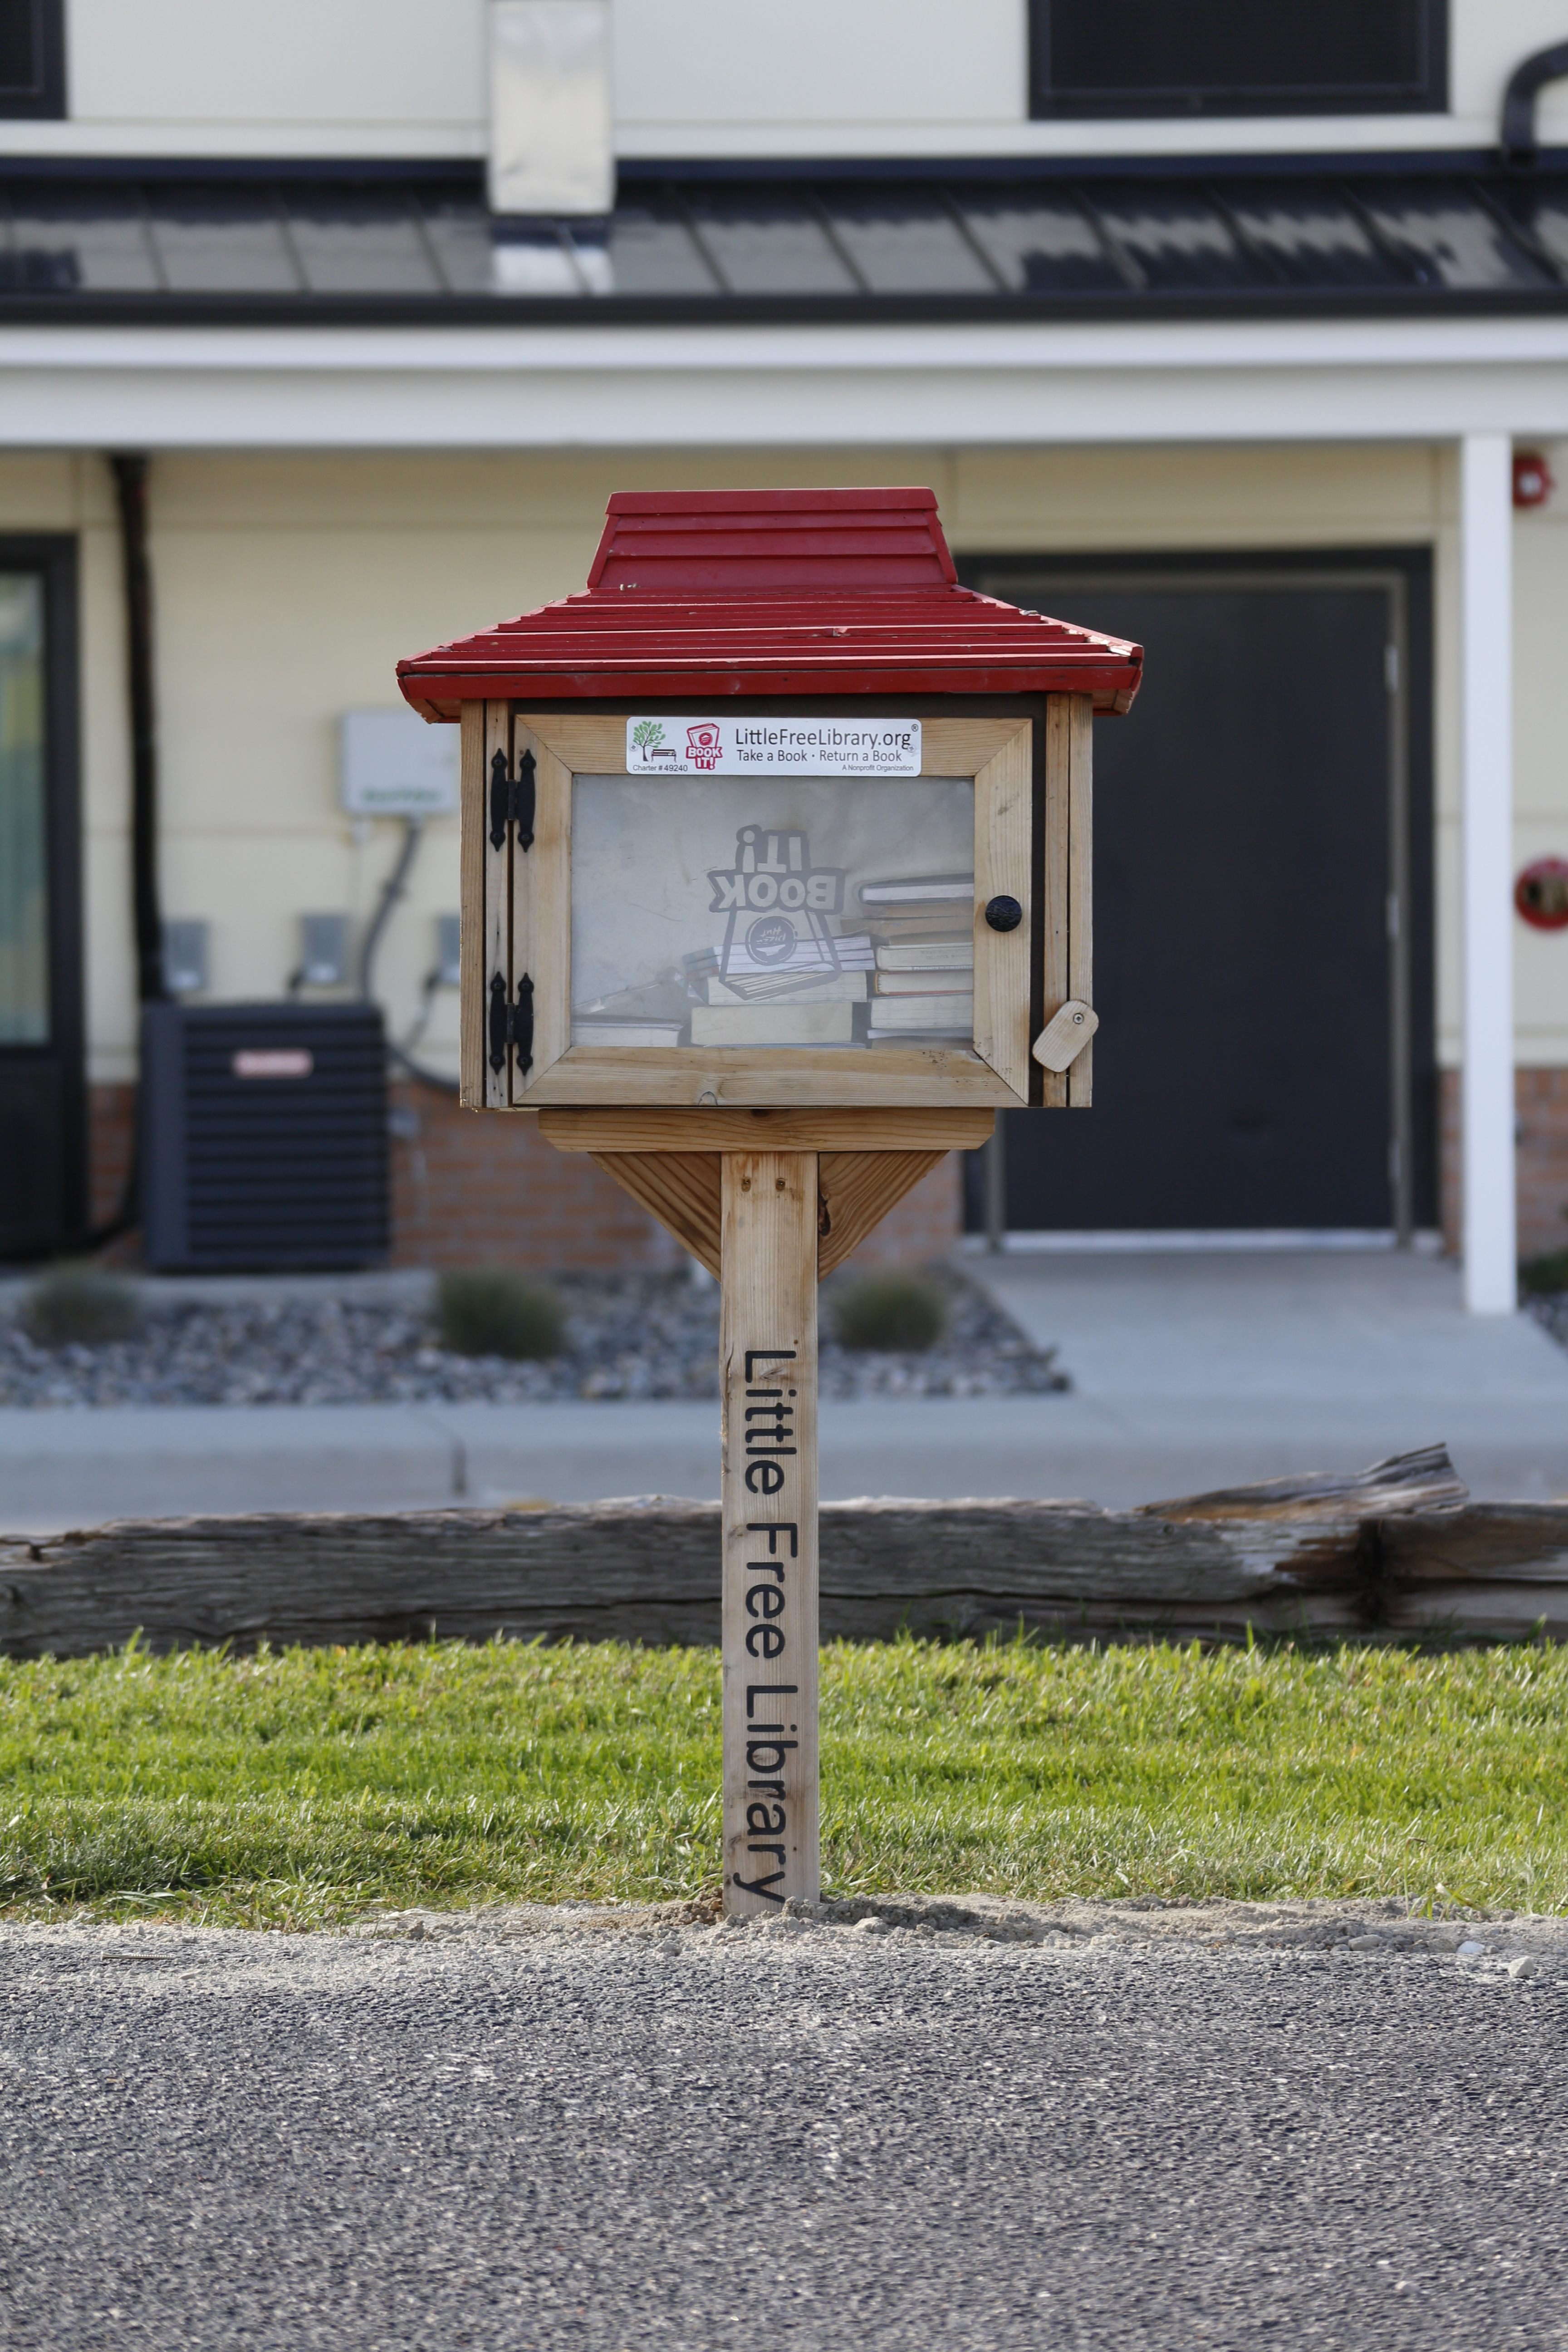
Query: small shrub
{"x": 891, "y": 1312}
{"x": 80, "y": 1304}
{"x": 1541, "y": 1275}
{"x": 493, "y": 1312}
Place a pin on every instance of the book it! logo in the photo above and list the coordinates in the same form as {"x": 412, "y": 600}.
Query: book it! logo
{"x": 777, "y": 903}
{"x": 704, "y": 744}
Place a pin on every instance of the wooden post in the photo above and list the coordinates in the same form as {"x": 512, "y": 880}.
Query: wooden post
{"x": 767, "y": 1351}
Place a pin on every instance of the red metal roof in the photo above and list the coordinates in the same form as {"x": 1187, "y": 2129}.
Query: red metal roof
{"x": 710, "y": 593}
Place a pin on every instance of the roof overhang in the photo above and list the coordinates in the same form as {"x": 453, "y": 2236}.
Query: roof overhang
{"x": 752, "y": 387}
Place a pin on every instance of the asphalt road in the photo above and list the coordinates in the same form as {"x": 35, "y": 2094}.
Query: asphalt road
{"x": 1165, "y": 2130}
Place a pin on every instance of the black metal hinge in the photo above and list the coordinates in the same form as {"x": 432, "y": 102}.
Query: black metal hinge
{"x": 512, "y": 798}
{"x": 511, "y": 1025}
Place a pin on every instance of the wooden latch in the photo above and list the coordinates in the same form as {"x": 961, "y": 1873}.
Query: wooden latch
{"x": 1066, "y": 1035}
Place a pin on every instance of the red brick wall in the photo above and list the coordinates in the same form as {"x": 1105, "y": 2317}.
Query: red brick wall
{"x": 110, "y": 1136}
{"x": 1540, "y": 1100}
{"x": 472, "y": 1190}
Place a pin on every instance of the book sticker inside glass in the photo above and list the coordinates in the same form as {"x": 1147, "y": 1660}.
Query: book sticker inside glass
{"x": 801, "y": 911}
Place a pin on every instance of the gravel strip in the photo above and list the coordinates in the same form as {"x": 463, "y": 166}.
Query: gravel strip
{"x": 1521, "y": 1943}
{"x": 629, "y": 1336}
{"x": 924, "y": 2126}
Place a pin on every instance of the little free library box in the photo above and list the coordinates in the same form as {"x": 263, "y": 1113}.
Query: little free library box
{"x": 776, "y": 886}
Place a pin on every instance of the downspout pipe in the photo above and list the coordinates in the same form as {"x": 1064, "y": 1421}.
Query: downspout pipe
{"x": 1519, "y": 141}
{"x": 131, "y": 488}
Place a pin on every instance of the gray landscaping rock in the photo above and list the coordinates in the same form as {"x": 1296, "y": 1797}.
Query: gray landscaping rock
{"x": 629, "y": 1336}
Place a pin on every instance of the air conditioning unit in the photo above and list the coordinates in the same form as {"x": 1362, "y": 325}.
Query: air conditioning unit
{"x": 264, "y": 1137}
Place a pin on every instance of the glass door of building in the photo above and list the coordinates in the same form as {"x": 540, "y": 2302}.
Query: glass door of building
{"x": 42, "y": 1156}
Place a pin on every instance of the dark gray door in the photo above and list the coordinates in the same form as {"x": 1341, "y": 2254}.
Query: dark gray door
{"x": 1247, "y": 866}
{"x": 42, "y": 1170}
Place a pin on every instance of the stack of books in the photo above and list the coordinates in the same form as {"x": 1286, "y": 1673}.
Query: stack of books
{"x": 807, "y": 999}
{"x": 604, "y": 1029}
{"x": 815, "y": 963}
{"x": 775, "y": 1024}
{"x": 924, "y": 982}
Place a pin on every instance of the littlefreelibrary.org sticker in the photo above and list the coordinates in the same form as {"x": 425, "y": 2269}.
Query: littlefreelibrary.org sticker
{"x": 773, "y": 747}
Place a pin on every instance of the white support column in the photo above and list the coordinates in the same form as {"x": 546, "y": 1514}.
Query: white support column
{"x": 1486, "y": 660}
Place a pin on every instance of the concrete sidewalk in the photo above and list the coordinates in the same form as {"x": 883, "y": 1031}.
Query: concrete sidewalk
{"x": 1190, "y": 1370}
{"x": 1198, "y": 1369}
{"x": 76, "y": 1466}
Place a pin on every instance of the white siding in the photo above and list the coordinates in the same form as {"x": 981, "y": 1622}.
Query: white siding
{"x": 693, "y": 78}
{"x": 332, "y": 77}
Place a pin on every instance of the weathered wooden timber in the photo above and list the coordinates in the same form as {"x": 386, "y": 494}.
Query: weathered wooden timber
{"x": 1397, "y": 1549}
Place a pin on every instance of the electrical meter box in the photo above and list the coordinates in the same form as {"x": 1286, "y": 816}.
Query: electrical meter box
{"x": 776, "y": 814}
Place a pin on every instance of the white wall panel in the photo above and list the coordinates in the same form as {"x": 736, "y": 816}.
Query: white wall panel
{"x": 693, "y": 78}
{"x": 1486, "y": 43}
{"x": 219, "y": 69}
{"x": 713, "y": 64}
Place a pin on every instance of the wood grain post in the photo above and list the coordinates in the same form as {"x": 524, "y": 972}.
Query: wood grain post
{"x": 767, "y": 1351}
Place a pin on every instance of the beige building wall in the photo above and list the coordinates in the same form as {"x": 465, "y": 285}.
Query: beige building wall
{"x": 288, "y": 586}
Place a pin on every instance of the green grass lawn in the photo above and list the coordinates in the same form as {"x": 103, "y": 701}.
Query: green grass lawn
{"x": 299, "y": 1789}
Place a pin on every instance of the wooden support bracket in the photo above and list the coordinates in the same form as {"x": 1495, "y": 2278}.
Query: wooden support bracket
{"x": 642, "y": 1130}
{"x": 855, "y": 1191}
{"x": 682, "y": 1189}
{"x": 670, "y": 1162}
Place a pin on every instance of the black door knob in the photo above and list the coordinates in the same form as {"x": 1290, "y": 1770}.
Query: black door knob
{"x": 1003, "y": 914}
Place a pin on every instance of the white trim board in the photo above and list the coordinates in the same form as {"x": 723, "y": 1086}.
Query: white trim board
{"x": 1017, "y": 384}
{"x": 1263, "y": 139}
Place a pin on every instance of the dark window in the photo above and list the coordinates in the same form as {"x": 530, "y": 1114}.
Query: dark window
{"x": 1238, "y": 56}
{"x": 32, "y": 57}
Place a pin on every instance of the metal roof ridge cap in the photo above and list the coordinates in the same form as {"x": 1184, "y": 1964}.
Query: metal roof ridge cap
{"x": 907, "y": 498}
